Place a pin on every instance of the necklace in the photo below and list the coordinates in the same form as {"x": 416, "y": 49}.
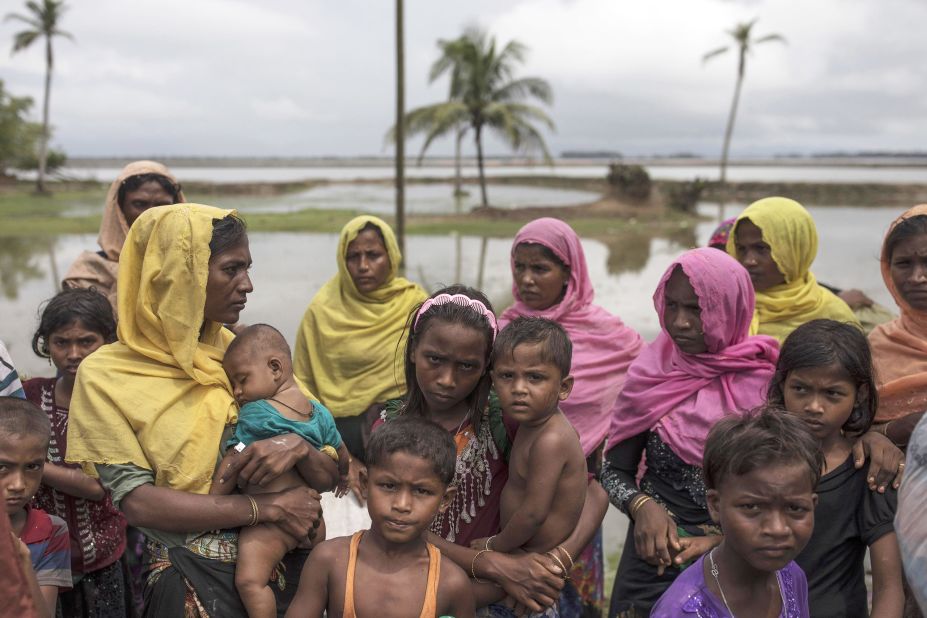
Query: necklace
{"x": 715, "y": 573}
{"x": 291, "y": 408}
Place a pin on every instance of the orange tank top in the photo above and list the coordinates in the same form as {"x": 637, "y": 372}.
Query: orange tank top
{"x": 429, "y": 607}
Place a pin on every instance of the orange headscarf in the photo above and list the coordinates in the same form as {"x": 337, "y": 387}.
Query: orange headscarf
{"x": 899, "y": 348}
{"x": 91, "y": 269}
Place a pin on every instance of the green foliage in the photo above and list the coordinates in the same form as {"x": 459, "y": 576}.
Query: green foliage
{"x": 684, "y": 196}
{"x": 484, "y": 94}
{"x": 19, "y": 138}
{"x": 631, "y": 182}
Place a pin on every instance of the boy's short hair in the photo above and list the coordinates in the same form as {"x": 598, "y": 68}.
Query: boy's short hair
{"x": 557, "y": 348}
{"x": 19, "y": 417}
{"x": 766, "y": 436}
{"x": 416, "y": 436}
{"x": 263, "y": 337}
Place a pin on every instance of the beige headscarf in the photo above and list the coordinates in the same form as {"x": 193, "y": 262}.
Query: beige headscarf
{"x": 91, "y": 269}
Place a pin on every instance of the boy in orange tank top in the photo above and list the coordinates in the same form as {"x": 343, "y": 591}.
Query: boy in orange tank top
{"x": 390, "y": 571}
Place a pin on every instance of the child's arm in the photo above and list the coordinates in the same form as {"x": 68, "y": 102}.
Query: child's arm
{"x": 887, "y": 592}
{"x": 546, "y": 462}
{"x": 318, "y": 470}
{"x": 311, "y": 598}
{"x": 73, "y": 482}
{"x": 455, "y": 597}
{"x": 50, "y": 598}
{"x": 224, "y": 486}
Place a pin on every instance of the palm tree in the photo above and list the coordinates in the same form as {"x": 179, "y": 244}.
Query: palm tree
{"x": 42, "y": 22}
{"x": 400, "y": 133}
{"x": 741, "y": 33}
{"x": 484, "y": 94}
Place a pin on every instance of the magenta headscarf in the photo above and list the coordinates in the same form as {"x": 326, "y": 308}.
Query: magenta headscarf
{"x": 603, "y": 347}
{"x": 681, "y": 396}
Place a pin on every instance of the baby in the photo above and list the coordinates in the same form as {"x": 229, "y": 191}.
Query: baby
{"x": 390, "y": 571}
{"x": 546, "y": 489}
{"x": 259, "y": 369}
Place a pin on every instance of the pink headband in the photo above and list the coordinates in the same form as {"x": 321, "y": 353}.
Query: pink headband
{"x": 461, "y": 300}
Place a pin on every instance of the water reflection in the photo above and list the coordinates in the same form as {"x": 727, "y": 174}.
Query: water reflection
{"x": 289, "y": 268}
{"x": 21, "y": 261}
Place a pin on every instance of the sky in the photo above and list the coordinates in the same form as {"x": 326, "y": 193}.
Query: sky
{"x": 317, "y": 78}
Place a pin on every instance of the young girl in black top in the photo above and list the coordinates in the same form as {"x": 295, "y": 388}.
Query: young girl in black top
{"x": 824, "y": 376}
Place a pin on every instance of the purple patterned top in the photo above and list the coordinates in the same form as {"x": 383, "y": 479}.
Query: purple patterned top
{"x": 689, "y": 597}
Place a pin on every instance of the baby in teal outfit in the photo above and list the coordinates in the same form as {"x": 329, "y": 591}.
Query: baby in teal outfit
{"x": 261, "y": 374}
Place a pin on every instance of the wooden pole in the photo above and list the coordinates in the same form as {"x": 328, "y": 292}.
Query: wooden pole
{"x": 400, "y": 133}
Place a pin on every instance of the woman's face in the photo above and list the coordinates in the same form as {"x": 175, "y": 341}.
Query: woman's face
{"x": 908, "y": 269}
{"x": 541, "y": 281}
{"x": 756, "y": 256}
{"x": 367, "y": 261}
{"x": 147, "y": 195}
{"x": 229, "y": 284}
{"x": 682, "y": 314}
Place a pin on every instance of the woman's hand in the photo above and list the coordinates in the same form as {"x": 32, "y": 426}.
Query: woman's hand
{"x": 263, "y": 461}
{"x": 531, "y": 580}
{"x": 354, "y": 470}
{"x": 655, "y": 538}
{"x": 885, "y": 460}
{"x": 296, "y": 510}
{"x": 693, "y": 547}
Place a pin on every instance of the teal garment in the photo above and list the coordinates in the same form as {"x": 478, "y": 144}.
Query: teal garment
{"x": 259, "y": 420}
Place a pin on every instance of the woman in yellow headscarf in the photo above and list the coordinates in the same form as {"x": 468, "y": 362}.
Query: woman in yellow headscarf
{"x": 348, "y": 349}
{"x": 149, "y": 412}
{"x": 141, "y": 185}
{"x": 775, "y": 239}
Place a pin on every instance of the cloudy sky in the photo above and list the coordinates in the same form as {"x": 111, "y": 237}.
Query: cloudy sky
{"x": 316, "y": 77}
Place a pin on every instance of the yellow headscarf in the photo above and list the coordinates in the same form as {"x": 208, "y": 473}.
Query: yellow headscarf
{"x": 793, "y": 239}
{"x": 158, "y": 398}
{"x": 348, "y": 348}
{"x": 92, "y": 269}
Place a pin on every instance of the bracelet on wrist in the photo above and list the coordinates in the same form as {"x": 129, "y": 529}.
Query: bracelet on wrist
{"x": 473, "y": 567}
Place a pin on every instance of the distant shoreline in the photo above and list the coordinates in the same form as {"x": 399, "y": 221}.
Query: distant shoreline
{"x": 502, "y": 162}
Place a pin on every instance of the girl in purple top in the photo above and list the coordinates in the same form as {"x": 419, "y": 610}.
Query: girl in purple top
{"x": 760, "y": 471}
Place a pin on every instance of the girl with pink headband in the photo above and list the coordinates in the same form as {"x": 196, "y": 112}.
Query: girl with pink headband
{"x": 447, "y": 362}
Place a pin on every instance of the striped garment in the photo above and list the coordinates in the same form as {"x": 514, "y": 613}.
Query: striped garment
{"x": 49, "y": 547}
{"x": 9, "y": 379}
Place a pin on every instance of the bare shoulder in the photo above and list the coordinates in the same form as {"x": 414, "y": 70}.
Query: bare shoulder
{"x": 331, "y": 551}
{"x": 557, "y": 435}
{"x": 455, "y": 596}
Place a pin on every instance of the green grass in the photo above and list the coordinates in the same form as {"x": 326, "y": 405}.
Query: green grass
{"x": 22, "y": 213}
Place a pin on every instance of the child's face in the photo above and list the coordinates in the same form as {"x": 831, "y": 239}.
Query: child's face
{"x": 756, "y": 256}
{"x": 541, "y": 282}
{"x": 253, "y": 375}
{"x": 367, "y": 261}
{"x": 529, "y": 388}
{"x": 449, "y": 361}
{"x": 403, "y": 496}
{"x": 909, "y": 270}
{"x": 22, "y": 459}
{"x": 823, "y": 397}
{"x": 682, "y": 314}
{"x": 70, "y": 345}
{"x": 767, "y": 515}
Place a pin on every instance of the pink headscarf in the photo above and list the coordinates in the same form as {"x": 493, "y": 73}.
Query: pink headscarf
{"x": 603, "y": 347}
{"x": 681, "y": 396}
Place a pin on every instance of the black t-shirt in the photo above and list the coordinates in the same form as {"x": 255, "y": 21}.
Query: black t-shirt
{"x": 848, "y": 518}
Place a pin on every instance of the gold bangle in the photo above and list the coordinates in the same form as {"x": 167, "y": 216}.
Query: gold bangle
{"x": 473, "y": 567}
{"x": 563, "y": 569}
{"x": 487, "y": 547}
{"x": 638, "y": 506}
{"x": 632, "y": 505}
{"x": 567, "y": 554}
{"x": 254, "y": 512}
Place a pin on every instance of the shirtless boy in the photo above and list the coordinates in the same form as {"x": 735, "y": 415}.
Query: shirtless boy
{"x": 544, "y": 495}
{"x": 390, "y": 571}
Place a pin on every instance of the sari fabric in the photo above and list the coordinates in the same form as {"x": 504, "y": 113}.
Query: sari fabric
{"x": 789, "y": 231}
{"x": 603, "y": 346}
{"x": 158, "y": 398}
{"x": 681, "y": 396}
{"x": 899, "y": 348}
{"x": 348, "y": 348}
{"x": 99, "y": 269}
